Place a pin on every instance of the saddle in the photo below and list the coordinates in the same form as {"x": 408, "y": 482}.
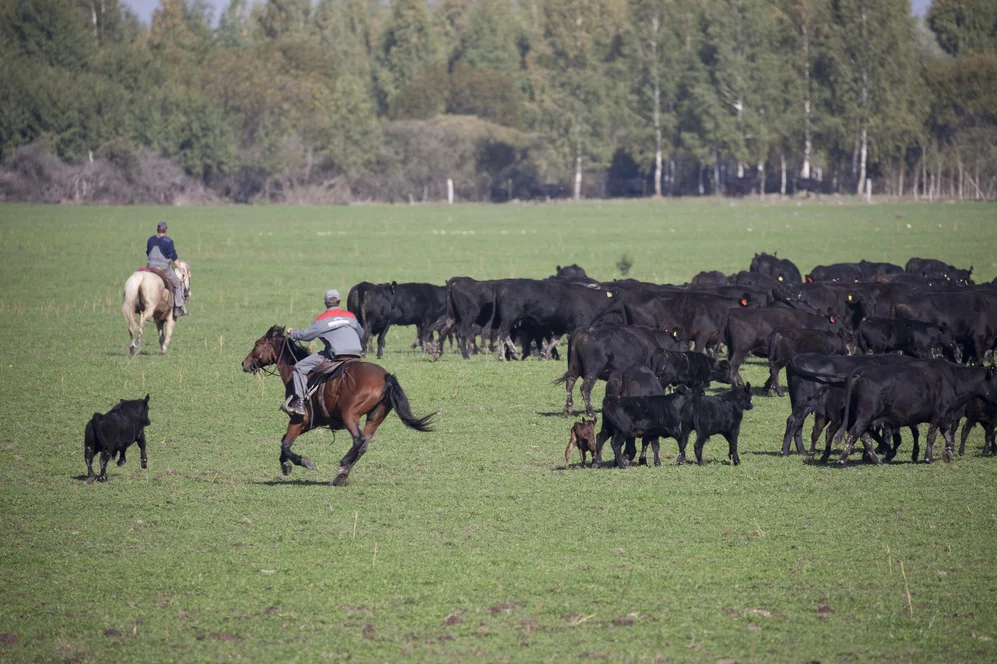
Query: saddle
{"x": 328, "y": 370}
{"x": 162, "y": 275}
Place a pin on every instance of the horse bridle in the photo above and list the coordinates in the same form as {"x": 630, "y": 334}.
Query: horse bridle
{"x": 274, "y": 368}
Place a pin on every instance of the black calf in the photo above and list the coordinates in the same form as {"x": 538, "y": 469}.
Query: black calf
{"x": 649, "y": 417}
{"x": 715, "y": 415}
{"x": 113, "y": 432}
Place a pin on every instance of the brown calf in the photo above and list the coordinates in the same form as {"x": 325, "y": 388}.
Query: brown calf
{"x": 582, "y": 437}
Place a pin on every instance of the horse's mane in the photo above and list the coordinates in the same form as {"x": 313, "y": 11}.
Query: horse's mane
{"x": 298, "y": 351}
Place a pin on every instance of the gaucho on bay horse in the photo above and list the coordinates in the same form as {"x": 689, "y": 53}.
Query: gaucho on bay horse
{"x": 353, "y": 390}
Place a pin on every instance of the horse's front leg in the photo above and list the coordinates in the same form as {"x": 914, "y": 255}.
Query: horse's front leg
{"x": 287, "y": 457}
{"x": 136, "y": 344}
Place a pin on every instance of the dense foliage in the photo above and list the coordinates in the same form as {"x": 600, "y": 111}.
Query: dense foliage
{"x": 286, "y": 100}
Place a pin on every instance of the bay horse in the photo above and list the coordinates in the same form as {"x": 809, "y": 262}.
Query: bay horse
{"x": 145, "y": 294}
{"x": 361, "y": 389}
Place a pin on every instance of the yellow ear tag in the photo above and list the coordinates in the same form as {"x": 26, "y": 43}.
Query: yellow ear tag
{"x": 608, "y": 294}
{"x": 780, "y": 277}
{"x": 849, "y": 298}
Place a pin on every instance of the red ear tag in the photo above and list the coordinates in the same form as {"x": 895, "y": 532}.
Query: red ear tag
{"x": 831, "y": 319}
{"x": 744, "y": 302}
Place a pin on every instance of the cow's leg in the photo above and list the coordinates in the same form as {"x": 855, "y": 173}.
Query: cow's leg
{"x": 121, "y": 457}
{"x": 736, "y": 359}
{"x": 572, "y": 442}
{"x": 380, "y": 341}
{"x": 731, "y": 437}
{"x": 88, "y": 454}
{"x": 683, "y": 440}
{"x": 820, "y": 422}
{"x": 698, "y": 446}
{"x": 105, "y": 456}
{"x": 929, "y": 443}
{"x": 832, "y": 431}
{"x": 644, "y": 442}
{"x": 772, "y": 384}
{"x": 656, "y": 449}
{"x": 988, "y": 442}
{"x": 287, "y": 457}
{"x": 621, "y": 458}
{"x": 966, "y": 428}
{"x": 897, "y": 442}
{"x": 849, "y": 444}
{"x": 948, "y": 432}
{"x": 916, "y": 447}
{"x": 630, "y": 449}
{"x": 587, "y": 384}
{"x": 794, "y": 424}
{"x": 141, "y": 449}
{"x": 870, "y": 449}
{"x": 569, "y": 387}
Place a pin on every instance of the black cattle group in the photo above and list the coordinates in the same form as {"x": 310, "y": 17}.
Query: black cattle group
{"x": 924, "y": 334}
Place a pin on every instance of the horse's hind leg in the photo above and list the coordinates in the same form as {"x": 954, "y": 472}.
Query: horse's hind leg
{"x": 167, "y": 333}
{"x": 359, "y": 447}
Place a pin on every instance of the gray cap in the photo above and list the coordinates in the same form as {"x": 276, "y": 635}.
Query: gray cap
{"x": 331, "y": 294}
{"x": 161, "y": 227}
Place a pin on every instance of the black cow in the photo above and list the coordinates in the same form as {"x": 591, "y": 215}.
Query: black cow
{"x": 470, "y": 304}
{"x": 817, "y": 298}
{"x": 838, "y": 272}
{"x": 809, "y": 375}
{"x": 759, "y": 280}
{"x": 784, "y": 343}
{"x": 708, "y": 416}
{"x": 712, "y": 278}
{"x": 632, "y": 382}
{"x": 781, "y": 269}
{"x": 922, "y": 391}
{"x": 931, "y": 268}
{"x": 113, "y": 432}
{"x": 979, "y": 411}
{"x": 558, "y": 308}
{"x": 910, "y": 337}
{"x": 808, "y": 185}
{"x": 573, "y": 273}
{"x": 747, "y": 332}
{"x": 693, "y": 370}
{"x": 379, "y": 306}
{"x": 969, "y": 315}
{"x": 699, "y": 316}
{"x": 649, "y": 417}
{"x": 830, "y": 413}
{"x": 596, "y": 352}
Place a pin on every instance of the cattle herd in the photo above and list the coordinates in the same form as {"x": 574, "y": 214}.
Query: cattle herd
{"x": 868, "y": 348}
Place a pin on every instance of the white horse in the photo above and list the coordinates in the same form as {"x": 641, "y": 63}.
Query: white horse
{"x": 146, "y": 295}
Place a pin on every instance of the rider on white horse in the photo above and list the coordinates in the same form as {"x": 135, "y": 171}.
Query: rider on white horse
{"x": 339, "y": 331}
{"x": 160, "y": 251}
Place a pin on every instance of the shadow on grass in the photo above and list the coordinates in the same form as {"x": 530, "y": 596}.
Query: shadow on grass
{"x": 560, "y": 413}
{"x": 294, "y": 482}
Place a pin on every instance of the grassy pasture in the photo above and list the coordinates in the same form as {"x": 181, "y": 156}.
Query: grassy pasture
{"x": 470, "y": 543}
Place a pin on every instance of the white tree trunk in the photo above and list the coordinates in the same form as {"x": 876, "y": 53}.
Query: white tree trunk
{"x": 961, "y": 190}
{"x": 782, "y": 183}
{"x": 655, "y": 26}
{"x": 863, "y": 151}
{"x": 900, "y": 183}
{"x": 761, "y": 180}
{"x": 578, "y": 178}
{"x": 864, "y": 114}
{"x": 805, "y": 168}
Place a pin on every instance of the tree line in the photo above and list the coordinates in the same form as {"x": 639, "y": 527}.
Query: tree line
{"x": 286, "y": 100}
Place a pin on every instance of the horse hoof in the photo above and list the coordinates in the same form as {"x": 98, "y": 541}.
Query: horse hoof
{"x": 145, "y": 464}
{"x": 340, "y": 479}
{"x": 90, "y": 480}
{"x": 286, "y": 468}
{"x": 307, "y": 463}
{"x": 947, "y": 456}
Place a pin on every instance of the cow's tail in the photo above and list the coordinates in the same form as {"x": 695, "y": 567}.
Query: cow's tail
{"x": 91, "y": 438}
{"x": 572, "y": 360}
{"x": 612, "y": 417}
{"x": 363, "y": 319}
{"x": 849, "y": 382}
{"x": 396, "y": 395}
{"x": 131, "y": 300}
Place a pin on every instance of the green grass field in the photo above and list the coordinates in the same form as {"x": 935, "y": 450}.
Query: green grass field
{"x": 472, "y": 542}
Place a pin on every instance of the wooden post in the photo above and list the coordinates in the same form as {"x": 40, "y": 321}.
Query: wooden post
{"x": 450, "y": 191}
{"x": 868, "y": 190}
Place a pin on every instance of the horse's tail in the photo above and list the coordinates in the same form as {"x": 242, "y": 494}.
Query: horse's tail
{"x": 400, "y": 403}
{"x": 131, "y": 300}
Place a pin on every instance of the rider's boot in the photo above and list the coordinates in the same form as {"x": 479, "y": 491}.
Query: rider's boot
{"x": 296, "y": 407}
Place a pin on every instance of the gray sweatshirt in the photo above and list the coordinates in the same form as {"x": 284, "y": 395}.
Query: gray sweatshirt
{"x": 339, "y": 331}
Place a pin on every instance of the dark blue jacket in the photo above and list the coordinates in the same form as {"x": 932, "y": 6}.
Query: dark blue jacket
{"x": 160, "y": 251}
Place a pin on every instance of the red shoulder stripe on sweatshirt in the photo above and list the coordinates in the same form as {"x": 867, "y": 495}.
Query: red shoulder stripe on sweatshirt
{"x": 333, "y": 313}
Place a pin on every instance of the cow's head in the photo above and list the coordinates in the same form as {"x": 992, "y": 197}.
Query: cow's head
{"x": 741, "y": 396}
{"x": 719, "y": 370}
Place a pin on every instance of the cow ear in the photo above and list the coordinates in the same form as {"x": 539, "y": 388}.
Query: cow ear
{"x": 971, "y": 269}
{"x": 558, "y": 269}
{"x": 775, "y": 254}
{"x": 147, "y": 398}
{"x": 747, "y": 389}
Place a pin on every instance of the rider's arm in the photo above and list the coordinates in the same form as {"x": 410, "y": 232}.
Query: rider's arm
{"x": 172, "y": 252}
{"x": 317, "y": 328}
{"x": 357, "y": 327}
